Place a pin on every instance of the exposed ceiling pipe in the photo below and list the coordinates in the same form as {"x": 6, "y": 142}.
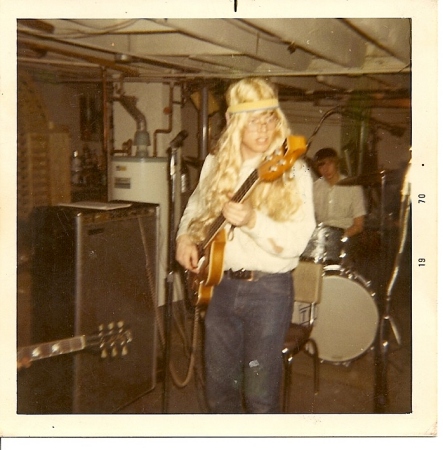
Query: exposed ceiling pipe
{"x": 169, "y": 111}
{"x": 65, "y": 50}
{"x": 203, "y": 122}
{"x": 141, "y": 137}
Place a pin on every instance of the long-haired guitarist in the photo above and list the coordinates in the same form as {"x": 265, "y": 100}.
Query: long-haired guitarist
{"x": 261, "y": 229}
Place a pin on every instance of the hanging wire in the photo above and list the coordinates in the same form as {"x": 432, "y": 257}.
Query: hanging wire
{"x": 394, "y": 130}
{"x": 335, "y": 110}
{"x": 195, "y": 334}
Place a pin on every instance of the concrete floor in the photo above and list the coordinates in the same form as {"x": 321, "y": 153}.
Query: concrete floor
{"x": 346, "y": 388}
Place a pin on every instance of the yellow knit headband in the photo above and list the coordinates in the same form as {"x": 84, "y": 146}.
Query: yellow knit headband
{"x": 258, "y": 105}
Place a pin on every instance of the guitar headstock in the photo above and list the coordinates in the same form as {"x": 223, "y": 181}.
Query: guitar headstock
{"x": 282, "y": 159}
{"x": 112, "y": 340}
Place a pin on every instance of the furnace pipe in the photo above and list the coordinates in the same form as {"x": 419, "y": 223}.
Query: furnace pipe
{"x": 204, "y": 120}
{"x": 129, "y": 104}
{"x": 169, "y": 112}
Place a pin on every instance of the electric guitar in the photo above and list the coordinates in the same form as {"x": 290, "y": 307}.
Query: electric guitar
{"x": 111, "y": 341}
{"x": 211, "y": 250}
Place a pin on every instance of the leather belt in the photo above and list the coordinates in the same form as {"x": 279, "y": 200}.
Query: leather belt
{"x": 245, "y": 275}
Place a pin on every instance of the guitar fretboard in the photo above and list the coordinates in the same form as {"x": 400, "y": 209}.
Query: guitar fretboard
{"x": 48, "y": 349}
{"x": 220, "y": 221}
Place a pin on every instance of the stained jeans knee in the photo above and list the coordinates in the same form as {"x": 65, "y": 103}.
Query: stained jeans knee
{"x": 246, "y": 324}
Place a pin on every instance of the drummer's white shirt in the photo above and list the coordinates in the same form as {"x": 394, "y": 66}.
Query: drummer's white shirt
{"x": 337, "y": 206}
{"x": 256, "y": 248}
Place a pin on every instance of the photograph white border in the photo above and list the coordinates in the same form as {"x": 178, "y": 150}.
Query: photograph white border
{"x": 423, "y": 419}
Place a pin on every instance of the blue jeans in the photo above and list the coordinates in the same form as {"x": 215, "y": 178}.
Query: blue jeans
{"x": 246, "y": 324}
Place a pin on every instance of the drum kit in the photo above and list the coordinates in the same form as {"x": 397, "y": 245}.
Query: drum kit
{"x": 348, "y": 316}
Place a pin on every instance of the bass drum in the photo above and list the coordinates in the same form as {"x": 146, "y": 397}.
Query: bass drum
{"x": 347, "y": 316}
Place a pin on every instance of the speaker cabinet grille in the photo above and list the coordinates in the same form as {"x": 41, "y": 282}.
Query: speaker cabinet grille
{"x": 93, "y": 268}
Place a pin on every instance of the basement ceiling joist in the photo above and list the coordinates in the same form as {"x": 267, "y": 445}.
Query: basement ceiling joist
{"x": 307, "y": 56}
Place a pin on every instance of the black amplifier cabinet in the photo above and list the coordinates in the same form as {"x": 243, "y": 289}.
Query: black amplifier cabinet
{"x": 90, "y": 268}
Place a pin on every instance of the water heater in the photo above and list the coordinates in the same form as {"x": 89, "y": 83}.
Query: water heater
{"x": 147, "y": 180}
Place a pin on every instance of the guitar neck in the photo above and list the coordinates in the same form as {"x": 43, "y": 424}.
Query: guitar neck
{"x": 49, "y": 349}
{"x": 238, "y": 197}
{"x": 269, "y": 170}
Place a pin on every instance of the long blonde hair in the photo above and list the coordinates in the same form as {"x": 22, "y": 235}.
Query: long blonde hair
{"x": 279, "y": 199}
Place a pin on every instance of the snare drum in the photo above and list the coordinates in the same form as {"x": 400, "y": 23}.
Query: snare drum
{"x": 325, "y": 246}
{"x": 347, "y": 316}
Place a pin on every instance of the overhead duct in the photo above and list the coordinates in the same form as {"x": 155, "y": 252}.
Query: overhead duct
{"x": 141, "y": 137}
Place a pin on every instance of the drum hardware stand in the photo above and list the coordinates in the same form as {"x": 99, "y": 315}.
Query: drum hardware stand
{"x": 382, "y": 345}
{"x": 172, "y": 163}
{"x": 385, "y": 258}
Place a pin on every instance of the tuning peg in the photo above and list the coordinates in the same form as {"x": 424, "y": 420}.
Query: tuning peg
{"x": 114, "y": 352}
{"x": 104, "y": 353}
{"x": 124, "y": 350}
{"x": 128, "y": 335}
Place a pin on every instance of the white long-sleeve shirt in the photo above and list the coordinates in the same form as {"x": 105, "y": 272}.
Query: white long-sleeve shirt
{"x": 270, "y": 246}
{"x": 338, "y": 206}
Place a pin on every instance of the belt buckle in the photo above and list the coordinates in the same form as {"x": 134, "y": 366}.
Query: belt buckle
{"x": 246, "y": 275}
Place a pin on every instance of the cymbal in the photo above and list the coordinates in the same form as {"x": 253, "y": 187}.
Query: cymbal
{"x": 369, "y": 179}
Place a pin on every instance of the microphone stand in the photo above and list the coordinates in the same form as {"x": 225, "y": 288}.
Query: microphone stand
{"x": 172, "y": 163}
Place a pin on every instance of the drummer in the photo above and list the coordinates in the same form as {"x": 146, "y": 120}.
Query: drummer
{"x": 337, "y": 206}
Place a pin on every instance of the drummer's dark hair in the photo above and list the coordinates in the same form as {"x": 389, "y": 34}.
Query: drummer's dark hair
{"x": 323, "y": 153}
